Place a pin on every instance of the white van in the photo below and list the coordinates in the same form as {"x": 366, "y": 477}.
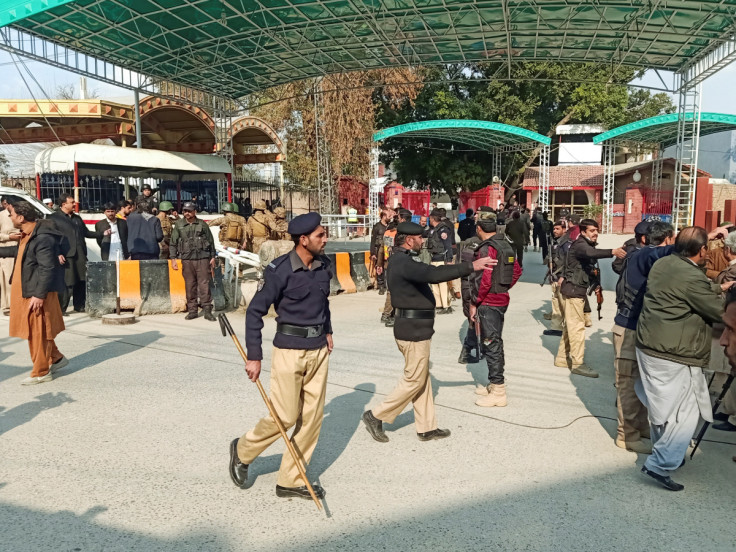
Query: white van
{"x": 93, "y": 250}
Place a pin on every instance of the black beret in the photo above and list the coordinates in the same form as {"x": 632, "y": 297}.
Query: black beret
{"x": 304, "y": 224}
{"x": 409, "y": 229}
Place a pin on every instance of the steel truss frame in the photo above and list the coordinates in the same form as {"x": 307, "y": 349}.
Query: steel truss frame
{"x": 326, "y": 186}
{"x": 688, "y": 142}
{"x": 374, "y": 188}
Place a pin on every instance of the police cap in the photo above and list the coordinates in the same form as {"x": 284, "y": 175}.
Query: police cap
{"x": 409, "y": 229}
{"x": 304, "y": 224}
{"x": 189, "y": 206}
{"x": 642, "y": 228}
{"x": 404, "y": 213}
{"x": 489, "y": 216}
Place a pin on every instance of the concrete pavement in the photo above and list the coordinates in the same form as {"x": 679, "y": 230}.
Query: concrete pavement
{"x": 128, "y": 448}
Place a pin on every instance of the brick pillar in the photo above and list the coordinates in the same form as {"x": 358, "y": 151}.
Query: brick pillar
{"x": 528, "y": 199}
{"x": 712, "y": 220}
{"x": 632, "y": 209}
{"x": 729, "y": 210}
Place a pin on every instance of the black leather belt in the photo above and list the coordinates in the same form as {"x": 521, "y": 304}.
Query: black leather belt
{"x": 300, "y": 331}
{"x": 424, "y": 314}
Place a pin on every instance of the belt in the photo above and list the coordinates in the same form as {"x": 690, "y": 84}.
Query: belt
{"x": 424, "y": 314}
{"x": 300, "y": 331}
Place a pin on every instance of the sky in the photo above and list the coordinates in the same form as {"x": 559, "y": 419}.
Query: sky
{"x": 716, "y": 97}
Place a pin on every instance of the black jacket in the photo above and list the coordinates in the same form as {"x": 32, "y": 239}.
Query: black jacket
{"x": 466, "y": 229}
{"x": 582, "y": 257}
{"x": 41, "y": 271}
{"x": 408, "y": 281}
{"x": 74, "y": 230}
{"x": 103, "y": 241}
{"x": 377, "y": 237}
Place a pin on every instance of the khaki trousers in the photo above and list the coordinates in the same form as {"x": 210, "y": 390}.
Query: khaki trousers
{"x": 632, "y": 414}
{"x": 415, "y": 387}
{"x": 388, "y": 310}
{"x": 43, "y": 350}
{"x": 439, "y": 291}
{"x": 6, "y": 271}
{"x": 556, "y": 322}
{"x": 298, "y": 382}
{"x": 572, "y": 343}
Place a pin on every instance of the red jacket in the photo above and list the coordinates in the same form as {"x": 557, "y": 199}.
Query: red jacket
{"x": 495, "y": 299}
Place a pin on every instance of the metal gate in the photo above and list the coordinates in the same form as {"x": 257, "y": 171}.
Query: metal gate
{"x": 657, "y": 205}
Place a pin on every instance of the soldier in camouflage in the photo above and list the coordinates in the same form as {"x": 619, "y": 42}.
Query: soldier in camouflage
{"x": 165, "y": 210}
{"x": 232, "y": 226}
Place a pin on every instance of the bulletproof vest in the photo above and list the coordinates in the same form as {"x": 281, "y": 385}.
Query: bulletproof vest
{"x": 435, "y": 245}
{"x": 260, "y": 227}
{"x": 502, "y": 275}
{"x": 388, "y": 241}
{"x": 194, "y": 240}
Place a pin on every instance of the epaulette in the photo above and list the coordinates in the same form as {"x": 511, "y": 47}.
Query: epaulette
{"x": 273, "y": 265}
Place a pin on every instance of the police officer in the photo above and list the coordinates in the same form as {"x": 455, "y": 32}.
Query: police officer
{"x": 439, "y": 245}
{"x": 165, "y": 212}
{"x": 259, "y": 227}
{"x": 192, "y": 242}
{"x": 377, "y": 243}
{"x": 298, "y": 285}
{"x": 489, "y": 293}
{"x": 466, "y": 253}
{"x": 232, "y": 226}
{"x": 578, "y": 273}
{"x": 384, "y": 253}
{"x": 280, "y": 226}
{"x": 408, "y": 281}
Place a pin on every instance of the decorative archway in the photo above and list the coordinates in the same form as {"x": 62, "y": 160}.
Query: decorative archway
{"x": 174, "y": 125}
{"x": 252, "y": 131}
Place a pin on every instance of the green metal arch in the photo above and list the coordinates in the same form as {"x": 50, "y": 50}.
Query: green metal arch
{"x": 483, "y": 135}
{"x": 663, "y": 128}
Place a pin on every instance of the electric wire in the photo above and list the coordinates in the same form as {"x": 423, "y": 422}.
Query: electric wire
{"x": 376, "y": 393}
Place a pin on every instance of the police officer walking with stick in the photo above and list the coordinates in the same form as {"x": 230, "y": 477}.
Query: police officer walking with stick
{"x": 298, "y": 285}
{"x": 408, "y": 281}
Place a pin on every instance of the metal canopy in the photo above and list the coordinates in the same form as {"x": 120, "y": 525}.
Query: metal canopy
{"x": 234, "y": 47}
{"x": 480, "y": 135}
{"x": 663, "y": 129}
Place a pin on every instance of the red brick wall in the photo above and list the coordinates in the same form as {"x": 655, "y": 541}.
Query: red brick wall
{"x": 618, "y": 222}
{"x": 729, "y": 210}
{"x": 703, "y": 200}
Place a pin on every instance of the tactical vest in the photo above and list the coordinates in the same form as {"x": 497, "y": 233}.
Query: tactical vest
{"x": 194, "y": 241}
{"x": 388, "y": 241}
{"x": 502, "y": 275}
{"x": 576, "y": 276}
{"x": 435, "y": 245}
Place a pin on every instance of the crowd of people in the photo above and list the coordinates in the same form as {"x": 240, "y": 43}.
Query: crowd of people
{"x": 675, "y": 314}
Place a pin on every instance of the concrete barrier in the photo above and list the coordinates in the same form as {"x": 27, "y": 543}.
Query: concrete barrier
{"x": 147, "y": 287}
{"x": 359, "y": 270}
{"x": 343, "y": 271}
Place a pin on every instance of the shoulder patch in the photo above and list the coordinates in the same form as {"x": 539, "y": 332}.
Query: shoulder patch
{"x": 415, "y": 258}
{"x": 443, "y": 235}
{"x": 261, "y": 283}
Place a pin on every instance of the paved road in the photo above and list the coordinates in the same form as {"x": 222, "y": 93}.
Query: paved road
{"x": 128, "y": 448}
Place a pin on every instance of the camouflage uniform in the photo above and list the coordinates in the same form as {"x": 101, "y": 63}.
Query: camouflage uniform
{"x": 227, "y": 222}
{"x": 259, "y": 226}
{"x": 167, "y": 225}
{"x": 280, "y": 225}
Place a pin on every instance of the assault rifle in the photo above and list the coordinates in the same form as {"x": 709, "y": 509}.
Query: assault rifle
{"x": 701, "y": 434}
{"x": 595, "y": 287}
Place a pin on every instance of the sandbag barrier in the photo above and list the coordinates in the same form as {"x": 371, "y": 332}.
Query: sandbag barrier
{"x": 147, "y": 287}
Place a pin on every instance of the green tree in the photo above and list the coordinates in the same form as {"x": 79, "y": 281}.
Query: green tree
{"x": 539, "y": 97}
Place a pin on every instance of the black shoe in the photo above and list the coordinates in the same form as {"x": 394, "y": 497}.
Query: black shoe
{"x": 390, "y": 323}
{"x": 464, "y": 356}
{"x": 208, "y": 314}
{"x": 720, "y": 417}
{"x": 448, "y": 310}
{"x": 191, "y": 316}
{"x": 725, "y": 426}
{"x": 238, "y": 470}
{"x": 558, "y": 333}
{"x": 434, "y": 434}
{"x": 381, "y": 291}
{"x": 299, "y": 492}
{"x": 374, "y": 427}
{"x": 665, "y": 481}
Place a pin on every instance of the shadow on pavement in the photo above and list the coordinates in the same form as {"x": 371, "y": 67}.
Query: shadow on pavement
{"x": 110, "y": 347}
{"x": 23, "y": 413}
{"x": 27, "y": 529}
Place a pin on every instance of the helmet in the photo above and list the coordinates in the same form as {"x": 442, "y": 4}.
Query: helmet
{"x": 259, "y": 205}
{"x": 165, "y": 206}
{"x": 280, "y": 212}
{"x": 232, "y": 207}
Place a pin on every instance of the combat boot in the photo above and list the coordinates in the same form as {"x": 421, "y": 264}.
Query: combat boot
{"x": 464, "y": 356}
{"x": 191, "y": 315}
{"x": 208, "y": 314}
{"x": 483, "y": 390}
{"x": 495, "y": 397}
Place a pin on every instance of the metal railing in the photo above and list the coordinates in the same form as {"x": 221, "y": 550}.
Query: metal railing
{"x": 339, "y": 227}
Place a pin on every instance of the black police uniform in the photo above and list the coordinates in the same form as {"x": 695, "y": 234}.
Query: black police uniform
{"x": 466, "y": 253}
